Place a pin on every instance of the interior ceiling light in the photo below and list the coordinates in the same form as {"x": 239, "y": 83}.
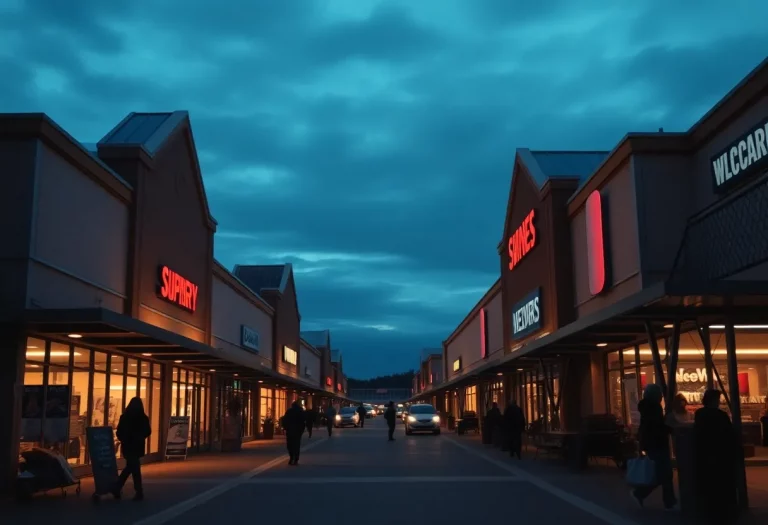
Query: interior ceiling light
{"x": 519, "y": 369}
{"x": 147, "y": 355}
{"x": 260, "y": 381}
{"x": 75, "y": 336}
{"x": 500, "y": 374}
{"x": 235, "y": 375}
{"x": 211, "y": 369}
{"x": 177, "y": 361}
{"x": 602, "y": 344}
{"x": 667, "y": 326}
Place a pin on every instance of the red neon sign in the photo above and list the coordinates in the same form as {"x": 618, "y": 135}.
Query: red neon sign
{"x": 177, "y": 290}
{"x": 522, "y": 240}
{"x": 328, "y": 381}
{"x": 338, "y": 387}
{"x": 483, "y": 341}
{"x": 595, "y": 243}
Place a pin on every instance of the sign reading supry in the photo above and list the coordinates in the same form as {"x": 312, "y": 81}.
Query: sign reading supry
{"x": 176, "y": 289}
{"x": 526, "y": 314}
{"x": 522, "y": 240}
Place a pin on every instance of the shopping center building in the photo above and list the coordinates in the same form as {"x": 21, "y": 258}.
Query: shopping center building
{"x": 648, "y": 263}
{"x": 110, "y": 291}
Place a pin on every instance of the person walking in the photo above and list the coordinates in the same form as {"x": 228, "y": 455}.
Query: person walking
{"x": 361, "y": 415}
{"x": 330, "y": 418}
{"x": 391, "y": 416}
{"x": 514, "y": 426}
{"x": 133, "y": 429}
{"x": 294, "y": 423}
{"x": 654, "y": 441}
{"x": 310, "y": 417}
{"x": 493, "y": 419}
{"x": 717, "y": 448}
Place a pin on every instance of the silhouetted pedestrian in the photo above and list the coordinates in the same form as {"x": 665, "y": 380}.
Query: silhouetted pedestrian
{"x": 294, "y": 423}
{"x": 133, "y": 431}
{"x": 310, "y": 417}
{"x": 391, "y": 417}
{"x": 330, "y": 418}
{"x": 361, "y": 415}
{"x": 514, "y": 426}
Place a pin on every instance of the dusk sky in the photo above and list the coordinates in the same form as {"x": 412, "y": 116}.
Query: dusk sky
{"x": 371, "y": 143}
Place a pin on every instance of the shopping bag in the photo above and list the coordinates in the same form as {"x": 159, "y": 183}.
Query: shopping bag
{"x": 641, "y": 472}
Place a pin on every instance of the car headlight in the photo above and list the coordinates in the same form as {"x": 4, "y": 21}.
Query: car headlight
{"x": 436, "y": 418}
{"x": 338, "y": 418}
{"x": 411, "y": 419}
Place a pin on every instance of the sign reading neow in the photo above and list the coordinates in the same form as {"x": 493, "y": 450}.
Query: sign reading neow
{"x": 526, "y": 314}
{"x": 742, "y": 158}
{"x": 249, "y": 338}
{"x": 290, "y": 356}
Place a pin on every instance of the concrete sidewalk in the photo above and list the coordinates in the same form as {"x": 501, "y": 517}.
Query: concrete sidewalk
{"x": 603, "y": 484}
{"x": 165, "y": 485}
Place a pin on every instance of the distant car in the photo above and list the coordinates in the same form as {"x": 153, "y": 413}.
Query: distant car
{"x": 422, "y": 418}
{"x": 399, "y": 412}
{"x": 369, "y": 411}
{"x": 347, "y": 416}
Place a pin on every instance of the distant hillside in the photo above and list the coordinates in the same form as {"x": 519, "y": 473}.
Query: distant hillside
{"x": 404, "y": 380}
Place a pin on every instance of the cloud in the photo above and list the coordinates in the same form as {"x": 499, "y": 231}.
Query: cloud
{"x": 370, "y": 143}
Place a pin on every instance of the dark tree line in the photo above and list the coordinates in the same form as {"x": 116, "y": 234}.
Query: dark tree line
{"x": 403, "y": 380}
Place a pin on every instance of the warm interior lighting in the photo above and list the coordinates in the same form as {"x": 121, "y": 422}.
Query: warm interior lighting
{"x": 741, "y": 326}
{"x": 500, "y": 374}
{"x": 235, "y": 375}
{"x": 693, "y": 351}
{"x": 519, "y": 369}
{"x": 54, "y": 353}
{"x": 260, "y": 381}
{"x": 75, "y": 336}
{"x": 31, "y": 346}
{"x": 147, "y": 355}
{"x": 178, "y": 361}
{"x": 667, "y": 326}
{"x": 211, "y": 369}
{"x": 33, "y": 366}
{"x": 602, "y": 344}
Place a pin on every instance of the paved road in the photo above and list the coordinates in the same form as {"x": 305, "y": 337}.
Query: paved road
{"x": 352, "y": 476}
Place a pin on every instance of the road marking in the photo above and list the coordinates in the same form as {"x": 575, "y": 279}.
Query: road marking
{"x": 184, "y": 481}
{"x": 587, "y": 506}
{"x": 385, "y": 479}
{"x": 185, "y": 506}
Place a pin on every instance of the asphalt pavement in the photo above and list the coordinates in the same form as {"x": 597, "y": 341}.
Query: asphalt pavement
{"x": 355, "y": 477}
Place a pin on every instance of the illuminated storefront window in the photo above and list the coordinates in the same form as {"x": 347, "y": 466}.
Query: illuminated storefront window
{"x": 68, "y": 388}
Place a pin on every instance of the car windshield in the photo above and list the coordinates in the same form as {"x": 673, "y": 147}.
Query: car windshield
{"x": 348, "y": 410}
{"x": 368, "y": 407}
{"x": 422, "y": 409}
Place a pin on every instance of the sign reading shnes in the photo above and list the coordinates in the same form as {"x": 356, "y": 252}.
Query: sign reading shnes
{"x": 742, "y": 158}
{"x": 526, "y": 314}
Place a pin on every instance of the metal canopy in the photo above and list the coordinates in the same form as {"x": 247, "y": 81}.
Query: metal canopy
{"x": 110, "y": 330}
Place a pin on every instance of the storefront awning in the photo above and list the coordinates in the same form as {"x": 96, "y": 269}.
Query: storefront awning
{"x": 103, "y": 328}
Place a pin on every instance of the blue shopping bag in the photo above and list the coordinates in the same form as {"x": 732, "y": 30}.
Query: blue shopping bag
{"x": 641, "y": 472}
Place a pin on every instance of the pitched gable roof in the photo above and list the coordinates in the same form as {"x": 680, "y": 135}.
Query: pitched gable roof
{"x": 149, "y": 132}
{"x": 264, "y": 277}
{"x": 317, "y": 338}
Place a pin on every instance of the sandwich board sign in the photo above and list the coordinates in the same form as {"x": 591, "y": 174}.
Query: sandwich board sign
{"x": 178, "y": 434}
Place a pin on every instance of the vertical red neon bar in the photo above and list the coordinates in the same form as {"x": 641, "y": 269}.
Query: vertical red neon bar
{"x": 483, "y": 341}
{"x": 595, "y": 243}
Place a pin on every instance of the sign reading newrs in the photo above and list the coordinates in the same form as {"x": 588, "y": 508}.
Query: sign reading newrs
{"x": 526, "y": 315}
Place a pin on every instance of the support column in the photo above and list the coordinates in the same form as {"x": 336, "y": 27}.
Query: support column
{"x": 658, "y": 368}
{"x": 12, "y": 354}
{"x": 707, "y": 344}
{"x": 674, "y": 348}
{"x": 733, "y": 385}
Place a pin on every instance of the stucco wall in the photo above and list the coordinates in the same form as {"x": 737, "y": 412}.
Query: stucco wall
{"x": 79, "y": 245}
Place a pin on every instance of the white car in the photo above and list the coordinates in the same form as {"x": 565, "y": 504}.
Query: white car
{"x": 347, "y": 416}
{"x": 422, "y": 418}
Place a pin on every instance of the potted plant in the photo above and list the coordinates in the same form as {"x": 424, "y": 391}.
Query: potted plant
{"x": 269, "y": 426}
{"x": 233, "y": 423}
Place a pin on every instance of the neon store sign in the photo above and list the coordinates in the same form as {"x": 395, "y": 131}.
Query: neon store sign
{"x": 522, "y": 240}
{"x": 177, "y": 290}
{"x": 328, "y": 381}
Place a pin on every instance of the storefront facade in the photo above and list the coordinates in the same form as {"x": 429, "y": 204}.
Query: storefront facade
{"x": 114, "y": 294}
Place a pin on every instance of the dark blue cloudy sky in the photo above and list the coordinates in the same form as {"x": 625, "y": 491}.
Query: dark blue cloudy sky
{"x": 371, "y": 142}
